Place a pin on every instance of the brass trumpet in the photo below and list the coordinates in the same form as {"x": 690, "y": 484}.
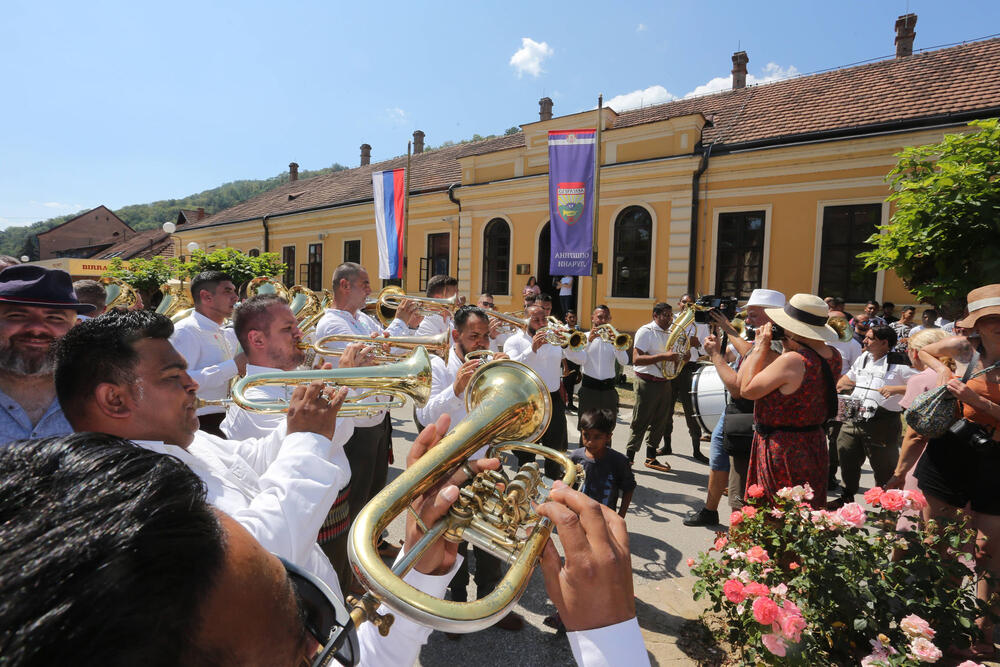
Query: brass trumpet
{"x": 621, "y": 341}
{"x": 506, "y": 401}
{"x": 410, "y": 377}
{"x": 557, "y": 333}
{"x": 511, "y": 322}
{"x": 440, "y": 344}
{"x": 388, "y": 300}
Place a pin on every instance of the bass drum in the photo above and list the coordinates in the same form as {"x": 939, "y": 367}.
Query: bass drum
{"x": 708, "y": 396}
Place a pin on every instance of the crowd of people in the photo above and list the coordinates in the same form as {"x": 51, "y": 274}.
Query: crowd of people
{"x": 120, "y": 446}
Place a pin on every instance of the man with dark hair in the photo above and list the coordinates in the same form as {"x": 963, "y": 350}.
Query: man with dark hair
{"x": 680, "y": 389}
{"x": 599, "y": 371}
{"x": 119, "y": 374}
{"x": 212, "y": 352}
{"x": 903, "y": 327}
{"x": 449, "y": 380}
{"x": 877, "y": 385}
{"x": 889, "y": 312}
{"x": 92, "y": 292}
{"x": 139, "y": 570}
{"x": 874, "y": 319}
{"x": 652, "y": 391}
{"x": 545, "y": 301}
{"x": 438, "y": 287}
{"x": 37, "y": 308}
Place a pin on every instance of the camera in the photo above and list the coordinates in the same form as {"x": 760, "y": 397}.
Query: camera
{"x": 972, "y": 433}
{"x": 724, "y": 304}
{"x": 777, "y": 332}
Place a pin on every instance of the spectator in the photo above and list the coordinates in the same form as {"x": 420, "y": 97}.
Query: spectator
{"x": 889, "y": 312}
{"x": 928, "y": 320}
{"x": 532, "y": 287}
{"x": 871, "y": 309}
{"x": 860, "y": 325}
{"x": 92, "y": 292}
{"x": 566, "y": 293}
{"x": 903, "y": 327}
{"x": 849, "y": 351}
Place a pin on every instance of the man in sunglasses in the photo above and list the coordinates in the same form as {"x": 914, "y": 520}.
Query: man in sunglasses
{"x": 181, "y": 583}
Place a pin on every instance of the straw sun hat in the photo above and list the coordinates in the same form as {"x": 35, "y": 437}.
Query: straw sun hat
{"x": 804, "y": 315}
{"x": 982, "y": 301}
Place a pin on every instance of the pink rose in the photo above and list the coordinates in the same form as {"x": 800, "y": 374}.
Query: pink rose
{"x": 735, "y": 519}
{"x": 872, "y": 495}
{"x": 914, "y": 626}
{"x": 721, "y": 542}
{"x": 924, "y": 650}
{"x": 749, "y": 511}
{"x": 733, "y": 590}
{"x": 915, "y": 499}
{"x": 757, "y": 554}
{"x": 969, "y": 663}
{"x": 755, "y": 491}
{"x": 792, "y": 625}
{"x": 853, "y": 514}
{"x": 892, "y": 500}
{"x": 775, "y": 644}
{"x": 690, "y": 562}
{"x": 793, "y": 566}
{"x": 765, "y": 610}
{"x": 757, "y": 589}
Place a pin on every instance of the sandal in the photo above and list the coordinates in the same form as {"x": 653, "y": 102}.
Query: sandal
{"x": 653, "y": 464}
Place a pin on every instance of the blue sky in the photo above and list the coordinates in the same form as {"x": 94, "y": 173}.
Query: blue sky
{"x": 116, "y": 103}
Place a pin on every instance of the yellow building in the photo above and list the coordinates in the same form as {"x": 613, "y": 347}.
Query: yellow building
{"x": 775, "y": 186}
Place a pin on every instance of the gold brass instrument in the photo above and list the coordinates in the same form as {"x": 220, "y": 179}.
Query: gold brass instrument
{"x": 484, "y": 355}
{"x": 266, "y": 285}
{"x": 177, "y": 302}
{"x": 306, "y": 305}
{"x": 410, "y": 377}
{"x": 506, "y": 401}
{"x": 678, "y": 341}
{"x": 557, "y": 333}
{"x": 621, "y": 341}
{"x": 440, "y": 344}
{"x": 739, "y": 322}
{"x": 840, "y": 325}
{"x": 119, "y": 294}
{"x": 388, "y": 300}
{"x": 511, "y": 322}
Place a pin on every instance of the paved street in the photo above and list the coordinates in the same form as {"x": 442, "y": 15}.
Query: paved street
{"x": 660, "y": 543}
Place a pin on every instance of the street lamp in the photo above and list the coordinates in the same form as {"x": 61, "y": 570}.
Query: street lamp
{"x": 193, "y": 246}
{"x": 25, "y": 258}
{"x": 169, "y": 227}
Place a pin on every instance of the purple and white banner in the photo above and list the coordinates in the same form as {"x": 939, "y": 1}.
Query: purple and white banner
{"x": 571, "y": 201}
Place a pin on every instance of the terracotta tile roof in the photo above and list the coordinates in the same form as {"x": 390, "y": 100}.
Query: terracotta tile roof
{"x": 144, "y": 244}
{"x": 948, "y": 82}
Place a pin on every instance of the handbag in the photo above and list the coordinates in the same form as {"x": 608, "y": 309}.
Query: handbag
{"x": 933, "y": 412}
{"x": 737, "y": 429}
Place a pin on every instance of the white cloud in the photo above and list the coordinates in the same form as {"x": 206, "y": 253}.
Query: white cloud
{"x": 528, "y": 59}
{"x": 60, "y": 205}
{"x": 641, "y": 98}
{"x": 396, "y": 116}
{"x": 641, "y": 27}
{"x": 771, "y": 72}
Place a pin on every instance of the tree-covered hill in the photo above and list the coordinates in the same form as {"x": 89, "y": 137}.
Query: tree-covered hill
{"x": 19, "y": 241}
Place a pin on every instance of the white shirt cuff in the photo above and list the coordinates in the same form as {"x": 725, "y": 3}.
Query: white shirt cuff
{"x": 618, "y": 644}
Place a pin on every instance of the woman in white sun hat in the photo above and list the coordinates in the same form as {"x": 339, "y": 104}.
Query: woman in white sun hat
{"x": 794, "y": 395}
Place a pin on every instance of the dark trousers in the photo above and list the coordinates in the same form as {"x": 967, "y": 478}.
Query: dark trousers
{"x": 832, "y": 429}
{"x": 569, "y": 381}
{"x": 596, "y": 399}
{"x": 649, "y": 416}
{"x": 681, "y": 390}
{"x": 738, "y": 468}
{"x": 553, "y": 438}
{"x": 878, "y": 439}
{"x": 566, "y": 302}
{"x": 368, "y": 453}
{"x": 211, "y": 424}
{"x": 488, "y": 573}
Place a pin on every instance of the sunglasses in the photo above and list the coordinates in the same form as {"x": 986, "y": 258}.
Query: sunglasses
{"x": 325, "y": 617}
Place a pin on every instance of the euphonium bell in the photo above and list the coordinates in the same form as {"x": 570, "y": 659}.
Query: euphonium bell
{"x": 119, "y": 294}
{"x": 840, "y": 325}
{"x": 440, "y": 344}
{"x": 176, "y": 303}
{"x": 506, "y": 401}
{"x": 266, "y": 285}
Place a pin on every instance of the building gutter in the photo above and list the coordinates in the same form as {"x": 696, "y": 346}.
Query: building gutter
{"x": 695, "y": 191}
{"x": 267, "y": 233}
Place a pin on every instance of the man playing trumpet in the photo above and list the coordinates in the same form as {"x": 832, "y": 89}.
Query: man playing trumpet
{"x": 598, "y": 390}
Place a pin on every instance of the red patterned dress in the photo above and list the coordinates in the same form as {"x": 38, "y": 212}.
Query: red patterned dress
{"x": 789, "y": 458}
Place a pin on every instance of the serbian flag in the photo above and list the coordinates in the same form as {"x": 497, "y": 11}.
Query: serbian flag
{"x": 389, "y": 188}
{"x": 571, "y": 201}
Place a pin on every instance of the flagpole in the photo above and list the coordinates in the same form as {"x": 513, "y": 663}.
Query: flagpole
{"x": 597, "y": 205}
{"x": 406, "y": 217}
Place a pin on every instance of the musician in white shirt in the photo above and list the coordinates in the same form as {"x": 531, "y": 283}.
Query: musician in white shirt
{"x": 530, "y": 348}
{"x": 652, "y": 391}
{"x": 497, "y": 338}
{"x": 680, "y": 390}
{"x": 212, "y": 352}
{"x": 438, "y": 287}
{"x": 599, "y": 372}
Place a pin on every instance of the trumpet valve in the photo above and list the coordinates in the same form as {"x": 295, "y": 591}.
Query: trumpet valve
{"x": 366, "y": 609}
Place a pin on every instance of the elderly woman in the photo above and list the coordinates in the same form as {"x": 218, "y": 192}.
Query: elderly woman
{"x": 794, "y": 395}
{"x": 960, "y": 469}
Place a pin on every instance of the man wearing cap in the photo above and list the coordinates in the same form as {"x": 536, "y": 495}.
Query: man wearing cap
{"x": 37, "y": 308}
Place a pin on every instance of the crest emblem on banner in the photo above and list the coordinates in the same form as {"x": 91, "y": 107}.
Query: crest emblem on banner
{"x": 569, "y": 201}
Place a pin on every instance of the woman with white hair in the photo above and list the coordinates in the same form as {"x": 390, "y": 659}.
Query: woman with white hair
{"x": 794, "y": 395}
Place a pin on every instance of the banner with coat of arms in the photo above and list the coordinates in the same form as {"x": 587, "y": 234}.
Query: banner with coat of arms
{"x": 571, "y": 201}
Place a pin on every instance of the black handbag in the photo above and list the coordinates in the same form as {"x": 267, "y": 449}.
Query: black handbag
{"x": 737, "y": 428}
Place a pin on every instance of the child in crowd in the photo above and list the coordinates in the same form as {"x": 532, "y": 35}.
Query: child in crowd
{"x": 607, "y": 474}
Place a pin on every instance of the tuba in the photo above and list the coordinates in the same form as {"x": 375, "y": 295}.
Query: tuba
{"x": 119, "y": 293}
{"x": 621, "y": 341}
{"x": 678, "y": 341}
{"x": 409, "y": 378}
{"x": 177, "y": 302}
{"x": 506, "y": 401}
{"x": 840, "y": 325}
{"x": 265, "y": 285}
{"x": 440, "y": 344}
{"x": 307, "y": 306}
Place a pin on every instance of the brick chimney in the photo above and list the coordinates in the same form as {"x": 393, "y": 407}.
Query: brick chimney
{"x": 366, "y": 154}
{"x": 905, "y": 35}
{"x": 740, "y": 60}
{"x": 418, "y": 142}
{"x": 201, "y": 212}
{"x": 545, "y": 108}
{"x": 293, "y": 171}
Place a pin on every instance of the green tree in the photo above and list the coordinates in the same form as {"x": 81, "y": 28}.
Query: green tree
{"x": 241, "y": 268}
{"x": 146, "y": 275}
{"x": 944, "y": 237}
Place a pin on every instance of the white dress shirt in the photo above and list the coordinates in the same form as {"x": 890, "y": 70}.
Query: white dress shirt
{"x": 619, "y": 644}
{"x": 241, "y": 424}
{"x": 209, "y": 350}
{"x": 651, "y": 339}
{"x": 700, "y": 331}
{"x": 547, "y": 362}
{"x": 601, "y": 357}
{"x": 443, "y": 399}
{"x": 849, "y": 351}
{"x": 433, "y": 325}
{"x": 342, "y": 322}
{"x": 869, "y": 376}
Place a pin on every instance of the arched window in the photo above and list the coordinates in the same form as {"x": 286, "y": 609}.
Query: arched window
{"x": 254, "y": 252}
{"x": 632, "y": 253}
{"x": 496, "y": 257}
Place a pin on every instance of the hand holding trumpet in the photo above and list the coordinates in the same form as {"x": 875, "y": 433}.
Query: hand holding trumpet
{"x": 313, "y": 408}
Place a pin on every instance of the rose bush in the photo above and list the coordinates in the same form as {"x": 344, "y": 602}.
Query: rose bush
{"x": 806, "y": 587}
